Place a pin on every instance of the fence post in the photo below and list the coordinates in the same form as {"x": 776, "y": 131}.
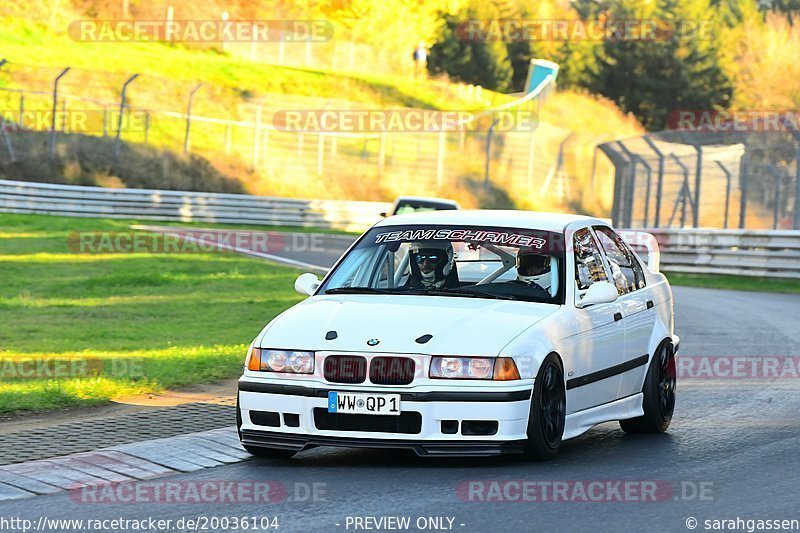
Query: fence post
{"x": 649, "y": 170}
{"x": 727, "y": 192}
{"x": 381, "y": 154}
{"x": 697, "y": 183}
{"x": 105, "y": 121}
{"x": 320, "y": 153}
{"x": 440, "y": 159}
{"x": 772, "y": 169}
{"x": 146, "y": 126}
{"x": 743, "y": 185}
{"x": 21, "y": 108}
{"x": 684, "y": 192}
{"x": 117, "y": 140}
{"x": 488, "y": 153}
{"x": 630, "y": 186}
{"x": 796, "y": 214}
{"x": 530, "y": 160}
{"x": 189, "y": 117}
{"x": 257, "y": 132}
{"x": 55, "y": 109}
{"x": 660, "y": 183}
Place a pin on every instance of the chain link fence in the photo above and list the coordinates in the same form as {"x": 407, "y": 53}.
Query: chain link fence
{"x": 712, "y": 179}
{"x": 520, "y": 167}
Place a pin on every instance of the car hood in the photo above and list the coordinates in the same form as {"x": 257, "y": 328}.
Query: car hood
{"x": 458, "y": 326}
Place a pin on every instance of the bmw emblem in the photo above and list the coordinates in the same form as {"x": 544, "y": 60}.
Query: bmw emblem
{"x": 373, "y": 342}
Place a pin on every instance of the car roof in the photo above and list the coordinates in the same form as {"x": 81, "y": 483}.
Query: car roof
{"x": 425, "y": 199}
{"x": 511, "y": 219}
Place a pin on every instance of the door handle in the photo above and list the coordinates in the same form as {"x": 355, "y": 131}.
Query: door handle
{"x": 617, "y": 316}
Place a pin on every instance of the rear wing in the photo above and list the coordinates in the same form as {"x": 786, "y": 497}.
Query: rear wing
{"x": 643, "y": 243}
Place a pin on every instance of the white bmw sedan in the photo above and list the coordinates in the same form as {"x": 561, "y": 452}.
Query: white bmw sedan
{"x": 466, "y": 333}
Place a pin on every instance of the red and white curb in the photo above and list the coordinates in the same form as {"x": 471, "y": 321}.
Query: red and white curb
{"x": 127, "y": 462}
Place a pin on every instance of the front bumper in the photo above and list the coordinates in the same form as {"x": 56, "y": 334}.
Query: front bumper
{"x": 508, "y": 407}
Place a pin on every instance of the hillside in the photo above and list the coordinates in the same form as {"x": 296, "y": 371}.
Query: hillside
{"x": 349, "y": 166}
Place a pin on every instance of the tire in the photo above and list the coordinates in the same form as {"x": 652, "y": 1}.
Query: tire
{"x": 548, "y": 411}
{"x": 659, "y": 395}
{"x": 267, "y": 453}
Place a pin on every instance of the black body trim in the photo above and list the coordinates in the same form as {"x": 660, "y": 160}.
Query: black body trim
{"x": 617, "y": 317}
{"x": 650, "y": 304}
{"x": 456, "y": 396}
{"x": 607, "y": 372}
{"x": 460, "y": 448}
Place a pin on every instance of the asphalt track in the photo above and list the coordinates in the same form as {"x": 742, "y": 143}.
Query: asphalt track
{"x": 731, "y": 453}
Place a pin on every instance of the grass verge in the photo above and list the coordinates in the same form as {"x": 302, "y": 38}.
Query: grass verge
{"x": 81, "y": 329}
{"x": 736, "y": 283}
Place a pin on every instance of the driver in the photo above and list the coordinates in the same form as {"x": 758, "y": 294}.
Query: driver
{"x": 431, "y": 264}
{"x": 533, "y": 268}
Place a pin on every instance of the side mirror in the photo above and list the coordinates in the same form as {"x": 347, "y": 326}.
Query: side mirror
{"x": 600, "y": 292}
{"x": 306, "y": 284}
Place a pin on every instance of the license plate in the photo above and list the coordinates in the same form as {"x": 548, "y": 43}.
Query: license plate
{"x": 364, "y": 404}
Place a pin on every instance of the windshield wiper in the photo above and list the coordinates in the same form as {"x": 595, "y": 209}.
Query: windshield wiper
{"x": 357, "y": 290}
{"x": 468, "y": 294}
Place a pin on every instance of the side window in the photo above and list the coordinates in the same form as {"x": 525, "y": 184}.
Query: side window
{"x": 626, "y": 270}
{"x": 588, "y": 260}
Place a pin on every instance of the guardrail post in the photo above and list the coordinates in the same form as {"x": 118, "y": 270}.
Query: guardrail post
{"x": 118, "y": 140}
{"x": 189, "y": 117}
{"x": 55, "y": 109}
{"x": 743, "y": 179}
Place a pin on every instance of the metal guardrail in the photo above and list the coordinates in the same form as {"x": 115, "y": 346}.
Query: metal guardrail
{"x": 757, "y": 253}
{"x": 154, "y": 204}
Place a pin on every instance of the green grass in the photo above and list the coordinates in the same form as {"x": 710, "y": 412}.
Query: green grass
{"x": 737, "y": 283}
{"x": 159, "y": 63}
{"x": 144, "y": 321}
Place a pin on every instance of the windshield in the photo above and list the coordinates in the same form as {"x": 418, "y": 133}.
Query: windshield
{"x": 449, "y": 260}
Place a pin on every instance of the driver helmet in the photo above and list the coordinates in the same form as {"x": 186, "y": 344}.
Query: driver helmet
{"x": 532, "y": 265}
{"x": 431, "y": 262}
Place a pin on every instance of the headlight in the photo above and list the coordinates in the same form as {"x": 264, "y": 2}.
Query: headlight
{"x": 497, "y": 368}
{"x": 289, "y": 361}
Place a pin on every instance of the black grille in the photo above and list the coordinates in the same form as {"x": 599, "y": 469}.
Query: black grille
{"x": 391, "y": 370}
{"x": 409, "y": 422}
{"x": 265, "y": 418}
{"x": 345, "y": 368}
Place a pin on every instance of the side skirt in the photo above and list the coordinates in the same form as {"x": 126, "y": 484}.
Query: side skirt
{"x": 582, "y": 421}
